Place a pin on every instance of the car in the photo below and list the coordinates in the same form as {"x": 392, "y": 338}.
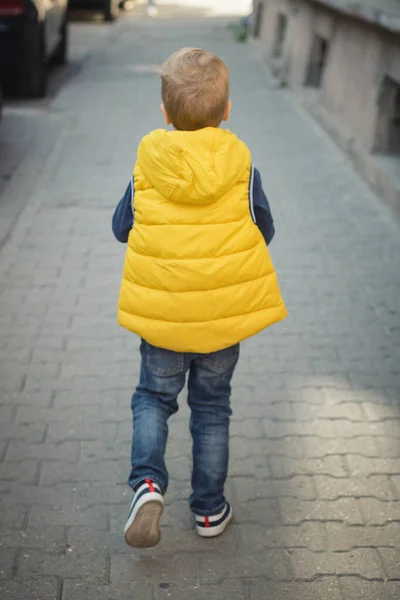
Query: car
{"x": 109, "y": 8}
{"x": 33, "y": 33}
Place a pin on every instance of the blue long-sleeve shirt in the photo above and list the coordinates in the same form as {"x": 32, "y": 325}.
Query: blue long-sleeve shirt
{"x": 123, "y": 218}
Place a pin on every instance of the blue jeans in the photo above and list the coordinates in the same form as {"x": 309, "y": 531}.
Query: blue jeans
{"x": 162, "y": 378}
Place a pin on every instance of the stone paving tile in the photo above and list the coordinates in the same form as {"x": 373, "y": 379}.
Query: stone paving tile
{"x": 126, "y": 568}
{"x": 45, "y": 589}
{"x": 273, "y": 564}
{"x": 32, "y": 538}
{"x": 12, "y": 516}
{"x": 311, "y": 535}
{"x": 28, "y": 414}
{"x": 79, "y": 430}
{"x": 11, "y": 383}
{"x": 67, "y": 452}
{"x": 307, "y": 412}
{"x": 358, "y": 589}
{"x": 38, "y": 399}
{"x": 248, "y": 489}
{"x": 7, "y": 562}
{"x": 256, "y": 466}
{"x": 79, "y": 590}
{"x": 89, "y": 493}
{"x": 363, "y": 562}
{"x": 321, "y": 589}
{"x": 103, "y": 398}
{"x": 112, "y": 472}
{"x": 382, "y": 412}
{"x": 347, "y": 510}
{"x": 391, "y": 562}
{"x": 281, "y": 411}
{"x": 332, "y": 465}
{"x": 362, "y": 466}
{"x": 25, "y": 471}
{"x": 232, "y": 589}
{"x": 314, "y": 472}
{"x": 395, "y": 480}
{"x": 388, "y": 447}
{"x": 43, "y": 516}
{"x": 264, "y": 511}
{"x": 81, "y": 563}
{"x": 331, "y": 488}
{"x": 379, "y": 513}
{"x": 113, "y": 542}
{"x": 342, "y": 538}
{"x": 7, "y": 413}
{"x": 243, "y": 448}
{"x": 248, "y": 428}
{"x": 364, "y": 445}
{"x": 59, "y": 496}
{"x": 29, "y": 432}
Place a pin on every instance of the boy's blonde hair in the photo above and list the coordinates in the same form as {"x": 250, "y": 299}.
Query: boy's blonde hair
{"x": 195, "y": 89}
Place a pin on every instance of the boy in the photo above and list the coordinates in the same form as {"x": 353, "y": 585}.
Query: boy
{"x": 198, "y": 279}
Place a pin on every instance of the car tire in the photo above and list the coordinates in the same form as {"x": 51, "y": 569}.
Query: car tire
{"x": 33, "y": 82}
{"x": 111, "y": 10}
{"x": 60, "y": 55}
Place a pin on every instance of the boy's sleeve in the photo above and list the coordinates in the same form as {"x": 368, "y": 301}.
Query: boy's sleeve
{"x": 260, "y": 209}
{"x": 122, "y": 221}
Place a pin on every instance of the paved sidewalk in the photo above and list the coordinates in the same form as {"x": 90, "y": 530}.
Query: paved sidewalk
{"x": 315, "y": 461}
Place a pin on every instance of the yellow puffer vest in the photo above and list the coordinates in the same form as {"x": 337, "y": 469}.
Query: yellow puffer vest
{"x": 198, "y": 276}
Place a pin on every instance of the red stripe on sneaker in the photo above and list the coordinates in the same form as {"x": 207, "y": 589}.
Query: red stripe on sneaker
{"x": 150, "y": 484}
{"x": 207, "y": 521}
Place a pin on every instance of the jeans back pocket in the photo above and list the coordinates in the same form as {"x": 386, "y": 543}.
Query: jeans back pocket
{"x": 163, "y": 363}
{"x": 221, "y": 361}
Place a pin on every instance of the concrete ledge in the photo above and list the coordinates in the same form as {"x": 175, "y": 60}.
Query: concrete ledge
{"x": 381, "y": 16}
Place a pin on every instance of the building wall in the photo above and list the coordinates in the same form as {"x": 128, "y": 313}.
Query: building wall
{"x": 268, "y": 25}
{"x": 352, "y": 78}
{"x": 360, "y": 55}
{"x": 299, "y": 48}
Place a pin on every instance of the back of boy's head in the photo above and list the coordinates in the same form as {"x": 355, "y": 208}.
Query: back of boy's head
{"x": 195, "y": 89}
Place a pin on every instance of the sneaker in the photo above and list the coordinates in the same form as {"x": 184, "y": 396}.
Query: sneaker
{"x": 142, "y": 527}
{"x": 152, "y": 11}
{"x": 215, "y": 525}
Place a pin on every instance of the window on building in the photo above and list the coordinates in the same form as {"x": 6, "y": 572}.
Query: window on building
{"x": 258, "y": 17}
{"x": 394, "y": 125}
{"x": 318, "y": 60}
{"x": 280, "y": 34}
{"x": 388, "y": 128}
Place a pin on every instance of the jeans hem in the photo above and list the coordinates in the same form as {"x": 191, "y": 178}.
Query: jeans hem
{"x": 135, "y": 482}
{"x": 209, "y": 513}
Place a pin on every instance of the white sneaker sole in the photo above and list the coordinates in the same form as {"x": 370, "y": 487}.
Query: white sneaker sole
{"x": 143, "y": 528}
{"x": 209, "y": 532}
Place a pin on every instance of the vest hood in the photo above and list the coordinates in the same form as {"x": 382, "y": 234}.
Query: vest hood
{"x": 193, "y": 167}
